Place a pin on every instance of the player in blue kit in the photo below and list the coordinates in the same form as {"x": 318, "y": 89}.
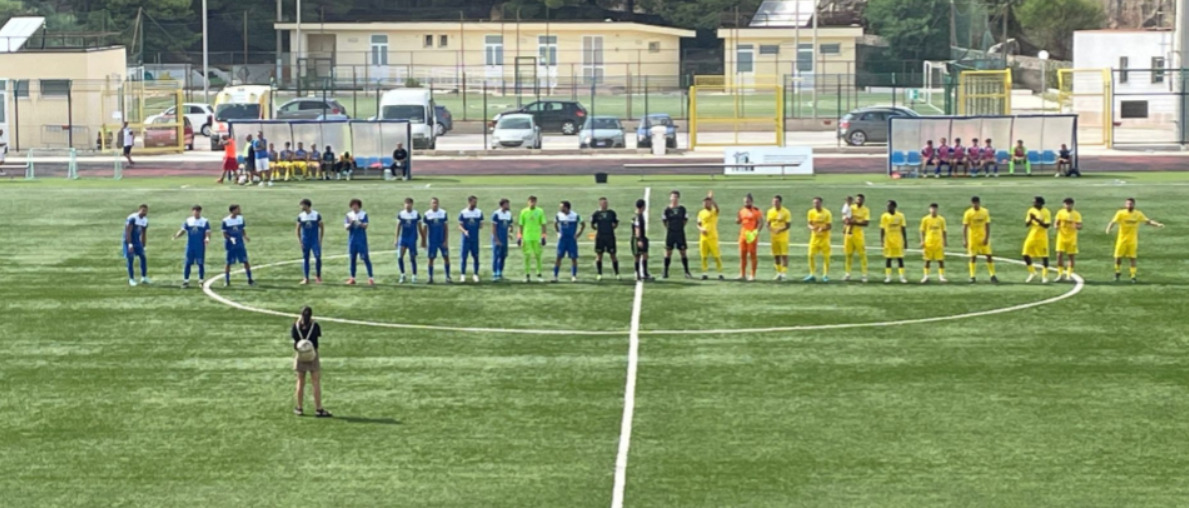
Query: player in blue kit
{"x": 134, "y": 241}
{"x": 408, "y": 229}
{"x": 198, "y": 233}
{"x": 310, "y": 231}
{"x": 569, "y": 226}
{"x": 470, "y": 222}
{"x": 501, "y": 225}
{"x": 234, "y": 242}
{"x": 436, "y": 237}
{"x": 356, "y": 225}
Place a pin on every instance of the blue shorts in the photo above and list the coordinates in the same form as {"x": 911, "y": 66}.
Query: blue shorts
{"x": 567, "y": 248}
{"x": 470, "y": 247}
{"x": 500, "y": 249}
{"x": 136, "y": 250}
{"x": 357, "y": 249}
{"x": 195, "y": 258}
{"x": 408, "y": 243}
{"x": 314, "y": 249}
{"x": 435, "y": 248}
{"x": 237, "y": 255}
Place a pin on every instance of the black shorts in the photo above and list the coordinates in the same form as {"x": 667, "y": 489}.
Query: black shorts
{"x": 127, "y": 150}
{"x": 675, "y": 240}
{"x": 605, "y": 244}
{"x": 640, "y": 246}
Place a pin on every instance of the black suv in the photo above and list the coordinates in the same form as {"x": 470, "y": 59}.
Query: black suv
{"x": 562, "y": 116}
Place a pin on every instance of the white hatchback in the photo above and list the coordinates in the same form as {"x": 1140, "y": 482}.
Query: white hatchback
{"x": 516, "y": 131}
{"x": 201, "y": 116}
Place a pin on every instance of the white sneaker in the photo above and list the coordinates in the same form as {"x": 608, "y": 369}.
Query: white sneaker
{"x": 778, "y": 277}
{"x": 540, "y": 279}
{"x": 185, "y": 284}
{"x": 132, "y": 282}
{"x": 887, "y": 280}
{"x": 925, "y": 280}
{"x": 403, "y": 279}
{"x": 1044, "y": 280}
{"x": 903, "y": 280}
{"x": 863, "y": 279}
{"x": 751, "y": 278}
{"x": 941, "y": 278}
{"x": 598, "y": 278}
{"x": 1030, "y": 278}
{"x": 413, "y": 280}
{"x": 475, "y": 278}
{"x": 573, "y": 279}
{"x": 846, "y": 278}
{"x": 145, "y": 280}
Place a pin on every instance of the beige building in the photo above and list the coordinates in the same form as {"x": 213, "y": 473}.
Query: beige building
{"x": 554, "y": 54}
{"x": 53, "y": 97}
{"x": 765, "y": 55}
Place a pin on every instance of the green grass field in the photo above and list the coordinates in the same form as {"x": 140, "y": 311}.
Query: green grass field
{"x": 159, "y": 396}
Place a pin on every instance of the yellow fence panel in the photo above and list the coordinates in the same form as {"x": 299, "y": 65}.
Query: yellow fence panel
{"x": 720, "y": 113}
{"x": 984, "y": 93}
{"x": 1087, "y": 93}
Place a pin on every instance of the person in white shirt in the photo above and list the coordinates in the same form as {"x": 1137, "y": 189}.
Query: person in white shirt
{"x": 129, "y": 138}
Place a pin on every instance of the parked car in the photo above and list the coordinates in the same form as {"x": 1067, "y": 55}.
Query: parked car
{"x": 869, "y": 125}
{"x": 516, "y": 131}
{"x": 162, "y": 131}
{"x": 553, "y": 115}
{"x": 644, "y": 130}
{"x": 601, "y": 132}
{"x": 310, "y": 108}
{"x": 202, "y": 115}
{"x": 445, "y": 120}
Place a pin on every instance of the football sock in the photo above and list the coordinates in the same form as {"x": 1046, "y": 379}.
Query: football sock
{"x": 317, "y": 266}
{"x": 926, "y": 271}
{"x": 991, "y": 268}
{"x": 400, "y": 262}
{"x": 847, "y": 262}
{"x": 430, "y": 270}
{"x": 305, "y": 265}
{"x": 685, "y": 263}
{"x": 812, "y": 265}
{"x": 556, "y": 268}
{"x": 1133, "y": 270}
{"x": 718, "y": 264}
{"x": 144, "y": 266}
{"x": 475, "y": 264}
{"x": 131, "y": 271}
{"x": 825, "y": 265}
{"x": 413, "y": 264}
{"x": 352, "y": 266}
{"x": 599, "y": 267}
{"x": 705, "y": 264}
{"x": 668, "y": 261}
{"x": 186, "y": 272}
{"x": 901, "y": 270}
{"x": 615, "y": 266}
{"x": 367, "y": 262}
{"x": 863, "y": 262}
{"x": 202, "y": 271}
{"x": 538, "y": 257}
{"x": 972, "y": 268}
{"x": 888, "y": 272}
{"x": 445, "y": 268}
{"x": 573, "y": 270}
{"x": 941, "y": 271}
{"x": 1031, "y": 270}
{"x": 248, "y": 272}
{"x": 227, "y": 277}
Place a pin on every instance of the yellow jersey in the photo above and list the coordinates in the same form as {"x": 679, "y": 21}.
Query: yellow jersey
{"x": 820, "y": 220}
{"x": 1129, "y": 223}
{"x": 778, "y": 222}
{"x": 976, "y": 224}
{"x": 1036, "y": 232}
{"x": 858, "y": 214}
{"x": 1067, "y": 224}
{"x": 708, "y": 219}
{"x": 934, "y": 230}
{"x": 893, "y": 226}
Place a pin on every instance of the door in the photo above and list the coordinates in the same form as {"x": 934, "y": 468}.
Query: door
{"x": 322, "y": 47}
{"x": 547, "y": 61}
{"x": 4, "y": 116}
{"x": 537, "y": 110}
{"x": 592, "y": 59}
{"x": 875, "y": 125}
{"x": 493, "y": 59}
{"x": 378, "y": 58}
{"x": 745, "y": 64}
{"x": 553, "y": 116}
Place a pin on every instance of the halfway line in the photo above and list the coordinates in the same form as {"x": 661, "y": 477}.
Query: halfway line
{"x": 629, "y": 388}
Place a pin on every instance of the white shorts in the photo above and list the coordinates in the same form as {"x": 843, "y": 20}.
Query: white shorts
{"x": 262, "y": 164}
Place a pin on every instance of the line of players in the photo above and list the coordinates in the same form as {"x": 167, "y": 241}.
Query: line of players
{"x": 984, "y": 157}
{"x": 430, "y": 230}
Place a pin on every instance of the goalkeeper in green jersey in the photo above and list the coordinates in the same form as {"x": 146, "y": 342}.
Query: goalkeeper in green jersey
{"x": 531, "y": 236}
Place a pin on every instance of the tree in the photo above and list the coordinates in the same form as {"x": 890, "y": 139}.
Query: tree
{"x": 1049, "y": 24}
{"x": 914, "y": 29}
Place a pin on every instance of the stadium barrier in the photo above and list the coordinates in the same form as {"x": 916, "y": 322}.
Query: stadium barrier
{"x": 1042, "y": 136}
{"x": 1087, "y": 93}
{"x": 370, "y": 142}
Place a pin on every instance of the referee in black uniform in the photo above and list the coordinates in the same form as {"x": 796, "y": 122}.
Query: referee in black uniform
{"x": 675, "y": 219}
{"x": 604, "y": 221}
{"x": 640, "y": 241}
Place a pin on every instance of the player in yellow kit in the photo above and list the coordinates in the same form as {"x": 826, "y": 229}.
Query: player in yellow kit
{"x": 1067, "y": 222}
{"x": 893, "y": 236}
{"x": 820, "y": 222}
{"x": 854, "y": 240}
{"x": 1037, "y": 220}
{"x": 976, "y": 237}
{"x": 779, "y": 218}
{"x": 708, "y": 239}
{"x": 934, "y": 242}
{"x": 1127, "y": 243}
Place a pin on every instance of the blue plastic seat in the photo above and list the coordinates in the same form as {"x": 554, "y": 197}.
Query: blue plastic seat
{"x": 1048, "y": 157}
{"x": 898, "y": 159}
{"x": 1034, "y": 157}
{"x": 914, "y": 158}
{"x": 386, "y": 161}
{"x": 1001, "y": 156}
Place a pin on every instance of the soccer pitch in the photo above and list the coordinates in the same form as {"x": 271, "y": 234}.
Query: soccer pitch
{"x": 506, "y": 394}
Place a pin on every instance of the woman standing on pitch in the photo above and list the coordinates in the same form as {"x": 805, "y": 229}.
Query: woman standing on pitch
{"x": 306, "y": 329}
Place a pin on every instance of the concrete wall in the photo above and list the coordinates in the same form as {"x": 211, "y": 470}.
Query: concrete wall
{"x": 1097, "y": 49}
{"x": 775, "y": 66}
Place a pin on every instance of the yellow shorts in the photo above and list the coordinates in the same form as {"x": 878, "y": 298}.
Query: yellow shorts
{"x": 708, "y": 246}
{"x": 934, "y": 253}
{"x": 854, "y": 244}
{"x": 1125, "y": 250}
{"x": 819, "y": 247}
{"x": 1036, "y": 248}
{"x": 893, "y": 251}
{"x": 977, "y": 248}
{"x": 780, "y": 245}
{"x": 1067, "y": 246}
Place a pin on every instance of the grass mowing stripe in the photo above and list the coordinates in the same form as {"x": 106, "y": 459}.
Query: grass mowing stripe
{"x": 629, "y": 387}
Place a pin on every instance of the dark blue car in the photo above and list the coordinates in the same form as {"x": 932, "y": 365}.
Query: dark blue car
{"x": 644, "y": 136}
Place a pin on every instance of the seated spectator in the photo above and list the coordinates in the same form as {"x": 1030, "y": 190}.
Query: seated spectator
{"x": 1019, "y": 155}
{"x": 958, "y": 158}
{"x": 315, "y": 162}
{"x": 928, "y": 157}
{"x": 990, "y": 158}
{"x": 974, "y": 157}
{"x": 329, "y": 164}
{"x": 400, "y": 162}
{"x": 346, "y": 165}
{"x": 943, "y": 159}
{"x": 1065, "y": 165}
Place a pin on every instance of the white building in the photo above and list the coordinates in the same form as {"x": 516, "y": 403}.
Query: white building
{"x": 1143, "y": 85}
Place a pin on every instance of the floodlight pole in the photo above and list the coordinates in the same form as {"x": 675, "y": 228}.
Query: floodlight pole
{"x": 206, "y": 80}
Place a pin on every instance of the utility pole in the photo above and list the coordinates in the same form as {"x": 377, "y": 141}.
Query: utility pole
{"x": 206, "y": 72}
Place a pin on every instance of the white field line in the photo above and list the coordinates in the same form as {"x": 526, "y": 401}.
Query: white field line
{"x": 1079, "y": 284}
{"x": 629, "y": 388}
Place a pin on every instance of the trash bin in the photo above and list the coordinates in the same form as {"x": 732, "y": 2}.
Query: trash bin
{"x": 658, "y": 139}
{"x": 600, "y": 177}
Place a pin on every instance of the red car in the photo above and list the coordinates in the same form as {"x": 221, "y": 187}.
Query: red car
{"x": 162, "y": 132}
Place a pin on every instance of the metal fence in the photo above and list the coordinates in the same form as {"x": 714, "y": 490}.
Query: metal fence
{"x": 1150, "y": 106}
{"x": 85, "y": 114}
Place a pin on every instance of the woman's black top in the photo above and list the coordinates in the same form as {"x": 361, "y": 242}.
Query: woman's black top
{"x": 298, "y": 333}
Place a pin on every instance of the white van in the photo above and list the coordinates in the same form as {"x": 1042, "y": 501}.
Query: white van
{"x": 417, "y": 107}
